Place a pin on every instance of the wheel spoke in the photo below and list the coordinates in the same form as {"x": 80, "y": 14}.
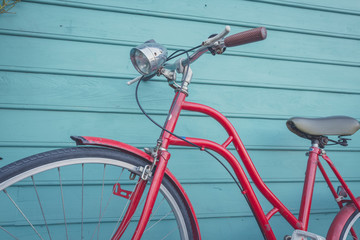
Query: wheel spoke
{"x": 8, "y": 232}
{"x": 63, "y": 204}
{"x": 42, "y": 210}
{"x": 31, "y": 225}
{"x": 159, "y": 220}
{"x": 122, "y": 214}
{"x": 107, "y": 204}
{"x": 171, "y": 232}
{"x": 153, "y": 214}
{"x": 101, "y": 199}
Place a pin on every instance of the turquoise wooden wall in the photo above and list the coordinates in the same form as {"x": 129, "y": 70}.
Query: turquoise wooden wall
{"x": 64, "y": 67}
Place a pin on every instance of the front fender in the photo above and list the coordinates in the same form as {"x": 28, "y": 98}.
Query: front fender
{"x": 96, "y": 141}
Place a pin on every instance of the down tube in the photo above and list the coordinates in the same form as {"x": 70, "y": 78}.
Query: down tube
{"x": 247, "y": 189}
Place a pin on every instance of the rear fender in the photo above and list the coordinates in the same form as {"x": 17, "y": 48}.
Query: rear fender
{"x": 340, "y": 220}
{"x": 96, "y": 141}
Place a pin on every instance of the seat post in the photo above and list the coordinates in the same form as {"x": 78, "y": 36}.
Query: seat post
{"x": 309, "y": 182}
{"x": 320, "y": 142}
{"x": 315, "y": 143}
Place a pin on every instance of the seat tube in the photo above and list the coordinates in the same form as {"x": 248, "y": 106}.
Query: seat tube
{"x": 309, "y": 182}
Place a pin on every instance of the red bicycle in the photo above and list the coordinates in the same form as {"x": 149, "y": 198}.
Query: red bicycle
{"x": 111, "y": 190}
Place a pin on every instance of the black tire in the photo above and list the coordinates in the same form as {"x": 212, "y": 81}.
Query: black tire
{"x": 17, "y": 180}
{"x": 352, "y": 222}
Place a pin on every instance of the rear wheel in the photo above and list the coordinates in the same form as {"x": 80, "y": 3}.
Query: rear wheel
{"x": 68, "y": 194}
{"x": 346, "y": 224}
{"x": 351, "y": 229}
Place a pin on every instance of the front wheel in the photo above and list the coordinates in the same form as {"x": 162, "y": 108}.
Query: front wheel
{"x": 346, "y": 224}
{"x": 68, "y": 194}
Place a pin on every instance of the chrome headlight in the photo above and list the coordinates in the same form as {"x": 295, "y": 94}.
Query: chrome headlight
{"x": 147, "y": 58}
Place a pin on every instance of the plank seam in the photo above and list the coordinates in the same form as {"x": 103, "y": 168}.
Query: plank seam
{"x": 302, "y": 5}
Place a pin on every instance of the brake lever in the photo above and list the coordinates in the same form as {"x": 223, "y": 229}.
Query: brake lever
{"x": 144, "y": 78}
{"x": 134, "y": 80}
{"x": 219, "y": 36}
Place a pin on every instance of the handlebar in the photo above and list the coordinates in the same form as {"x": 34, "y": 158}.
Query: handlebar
{"x": 253, "y": 35}
{"x": 216, "y": 45}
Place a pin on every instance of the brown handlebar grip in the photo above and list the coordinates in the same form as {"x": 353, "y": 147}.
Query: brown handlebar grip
{"x": 253, "y": 35}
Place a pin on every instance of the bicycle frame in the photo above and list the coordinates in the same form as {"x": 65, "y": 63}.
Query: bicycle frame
{"x": 180, "y": 104}
{"x": 301, "y": 223}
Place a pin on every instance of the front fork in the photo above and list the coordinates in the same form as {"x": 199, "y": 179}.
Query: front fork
{"x": 164, "y": 156}
{"x": 161, "y": 155}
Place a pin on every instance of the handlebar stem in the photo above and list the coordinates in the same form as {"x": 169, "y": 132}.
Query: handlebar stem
{"x": 186, "y": 79}
{"x": 182, "y": 67}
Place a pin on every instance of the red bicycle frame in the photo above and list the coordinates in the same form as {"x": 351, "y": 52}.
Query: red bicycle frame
{"x": 168, "y": 139}
{"x": 301, "y": 223}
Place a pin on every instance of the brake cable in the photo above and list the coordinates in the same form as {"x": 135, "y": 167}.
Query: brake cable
{"x": 183, "y": 52}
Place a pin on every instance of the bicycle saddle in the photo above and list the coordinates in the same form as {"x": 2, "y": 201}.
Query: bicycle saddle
{"x": 311, "y": 128}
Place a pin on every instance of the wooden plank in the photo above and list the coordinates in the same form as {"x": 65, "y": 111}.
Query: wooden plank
{"x": 233, "y": 227}
{"x": 240, "y": 13}
{"x": 279, "y": 44}
{"x": 70, "y": 55}
{"x": 53, "y": 92}
{"x": 206, "y": 199}
{"x": 55, "y": 127}
{"x": 254, "y": 72}
{"x": 275, "y": 166}
{"x": 234, "y": 203}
